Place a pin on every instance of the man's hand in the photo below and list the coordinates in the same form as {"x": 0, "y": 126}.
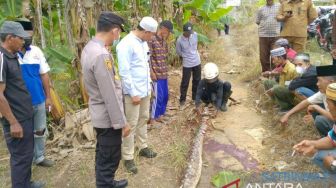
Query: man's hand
{"x": 307, "y": 119}
{"x": 126, "y": 130}
{"x": 284, "y": 120}
{"x": 306, "y": 147}
{"x": 266, "y": 74}
{"x": 48, "y": 104}
{"x": 327, "y": 161}
{"x": 16, "y": 130}
{"x": 311, "y": 109}
{"x": 333, "y": 53}
{"x": 153, "y": 76}
{"x": 136, "y": 100}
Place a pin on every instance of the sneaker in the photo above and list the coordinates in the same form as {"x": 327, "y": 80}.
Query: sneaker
{"x": 37, "y": 184}
{"x": 120, "y": 184}
{"x": 46, "y": 163}
{"x": 147, "y": 152}
{"x": 130, "y": 166}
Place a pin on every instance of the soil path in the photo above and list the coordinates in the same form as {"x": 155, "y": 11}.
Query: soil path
{"x": 237, "y": 137}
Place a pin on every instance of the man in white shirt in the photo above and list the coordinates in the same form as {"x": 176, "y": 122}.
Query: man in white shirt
{"x": 133, "y": 60}
{"x": 324, "y": 121}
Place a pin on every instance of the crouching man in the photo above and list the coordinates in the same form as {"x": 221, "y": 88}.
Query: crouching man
{"x": 324, "y": 150}
{"x": 212, "y": 90}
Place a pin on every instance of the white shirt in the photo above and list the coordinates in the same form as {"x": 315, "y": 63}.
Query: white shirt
{"x": 133, "y": 61}
{"x": 319, "y": 98}
{"x": 35, "y": 56}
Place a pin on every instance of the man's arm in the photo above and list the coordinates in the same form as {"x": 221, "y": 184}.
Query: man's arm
{"x": 321, "y": 111}
{"x": 324, "y": 143}
{"x": 123, "y": 54}
{"x": 258, "y": 19}
{"x": 220, "y": 94}
{"x": 105, "y": 80}
{"x": 46, "y": 86}
{"x": 312, "y": 12}
{"x": 15, "y": 127}
{"x": 152, "y": 60}
{"x": 302, "y": 105}
{"x": 178, "y": 47}
{"x": 44, "y": 69}
{"x": 199, "y": 93}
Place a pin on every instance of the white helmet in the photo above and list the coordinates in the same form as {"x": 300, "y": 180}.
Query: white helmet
{"x": 210, "y": 71}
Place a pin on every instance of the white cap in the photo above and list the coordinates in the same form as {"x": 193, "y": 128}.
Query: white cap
{"x": 149, "y": 24}
{"x": 210, "y": 71}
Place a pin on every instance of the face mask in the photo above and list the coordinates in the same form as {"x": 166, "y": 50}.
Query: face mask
{"x": 27, "y": 43}
{"x": 300, "y": 70}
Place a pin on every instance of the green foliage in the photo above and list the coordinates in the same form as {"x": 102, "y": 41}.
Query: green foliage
{"x": 10, "y": 10}
{"x": 224, "y": 178}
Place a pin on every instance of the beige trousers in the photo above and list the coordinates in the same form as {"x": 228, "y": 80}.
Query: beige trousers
{"x": 137, "y": 116}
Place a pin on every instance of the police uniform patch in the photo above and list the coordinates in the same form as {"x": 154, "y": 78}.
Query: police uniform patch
{"x": 108, "y": 64}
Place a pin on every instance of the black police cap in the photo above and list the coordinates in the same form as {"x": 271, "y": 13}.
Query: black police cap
{"x": 107, "y": 17}
{"x": 329, "y": 70}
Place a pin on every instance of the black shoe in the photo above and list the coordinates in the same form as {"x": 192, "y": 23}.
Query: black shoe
{"x": 147, "y": 152}
{"x": 46, "y": 163}
{"x": 223, "y": 108}
{"x": 120, "y": 184}
{"x": 37, "y": 184}
{"x": 130, "y": 166}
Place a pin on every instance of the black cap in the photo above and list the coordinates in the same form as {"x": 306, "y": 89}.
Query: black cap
{"x": 329, "y": 70}
{"x": 188, "y": 27}
{"x": 168, "y": 24}
{"x": 111, "y": 18}
{"x": 26, "y": 24}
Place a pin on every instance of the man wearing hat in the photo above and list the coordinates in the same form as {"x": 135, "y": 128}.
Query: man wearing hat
{"x": 282, "y": 42}
{"x": 186, "y": 48}
{"x": 133, "y": 60}
{"x": 286, "y": 72}
{"x": 35, "y": 74}
{"x": 323, "y": 121}
{"x": 16, "y": 107}
{"x": 268, "y": 30}
{"x": 103, "y": 85}
{"x": 296, "y": 15}
{"x": 324, "y": 149}
{"x": 159, "y": 69}
{"x": 302, "y": 86}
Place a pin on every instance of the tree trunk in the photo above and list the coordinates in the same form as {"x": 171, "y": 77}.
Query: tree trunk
{"x": 155, "y": 9}
{"x": 59, "y": 15}
{"x": 40, "y": 23}
{"x": 51, "y": 25}
{"x": 68, "y": 24}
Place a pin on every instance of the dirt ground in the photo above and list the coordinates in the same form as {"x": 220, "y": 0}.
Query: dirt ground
{"x": 242, "y": 139}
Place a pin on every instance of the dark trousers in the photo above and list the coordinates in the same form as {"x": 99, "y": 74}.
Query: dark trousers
{"x": 226, "y": 29}
{"x": 108, "y": 155}
{"x": 265, "y": 47}
{"x": 209, "y": 97}
{"x": 334, "y": 62}
{"x": 21, "y": 153}
{"x": 196, "y": 77}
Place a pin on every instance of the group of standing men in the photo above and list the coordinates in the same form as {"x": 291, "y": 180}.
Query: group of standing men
{"x": 125, "y": 94}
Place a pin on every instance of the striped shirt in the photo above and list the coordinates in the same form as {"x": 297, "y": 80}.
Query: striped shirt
{"x": 158, "y": 57}
{"x": 266, "y": 19}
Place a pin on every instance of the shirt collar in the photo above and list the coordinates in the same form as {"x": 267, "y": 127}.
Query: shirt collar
{"x": 100, "y": 42}
{"x": 185, "y": 38}
{"x": 7, "y": 53}
{"x": 135, "y": 37}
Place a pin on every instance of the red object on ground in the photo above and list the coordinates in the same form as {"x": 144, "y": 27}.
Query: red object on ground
{"x": 236, "y": 182}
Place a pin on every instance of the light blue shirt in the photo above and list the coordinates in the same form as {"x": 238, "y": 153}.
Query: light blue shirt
{"x": 133, "y": 60}
{"x": 187, "y": 49}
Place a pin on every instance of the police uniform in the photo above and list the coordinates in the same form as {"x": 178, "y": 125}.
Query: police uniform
{"x": 295, "y": 27}
{"x": 106, "y": 108}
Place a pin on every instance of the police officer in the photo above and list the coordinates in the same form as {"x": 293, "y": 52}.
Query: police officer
{"x": 16, "y": 107}
{"x": 103, "y": 85}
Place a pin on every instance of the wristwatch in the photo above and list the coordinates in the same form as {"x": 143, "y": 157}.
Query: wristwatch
{"x": 333, "y": 166}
